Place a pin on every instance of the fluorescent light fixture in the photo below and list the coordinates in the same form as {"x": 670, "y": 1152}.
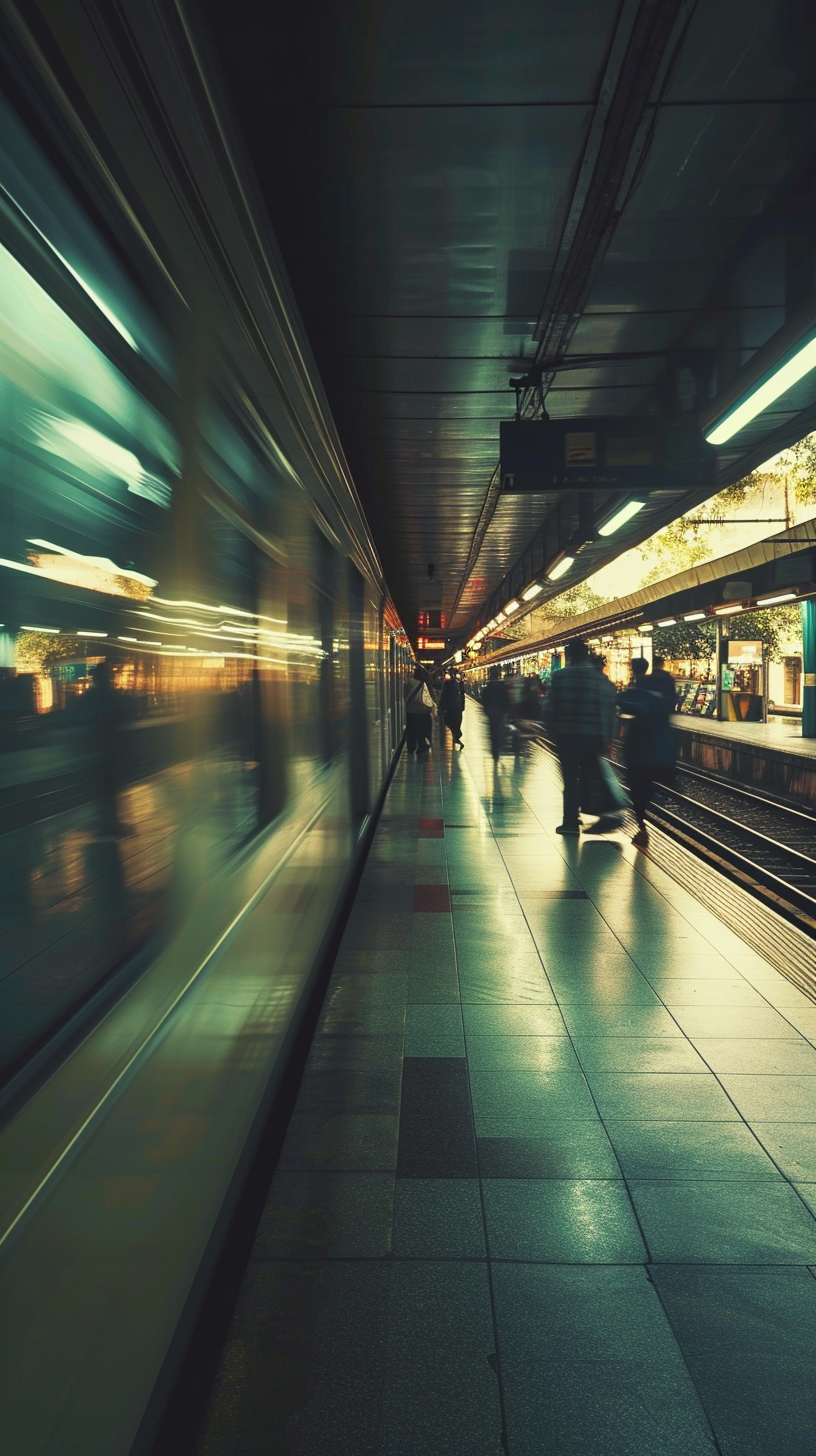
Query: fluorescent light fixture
{"x": 561, "y": 568}
{"x": 667, "y": 622}
{"x": 500, "y": 616}
{"x": 693, "y": 616}
{"x": 772, "y": 601}
{"x": 54, "y": 630}
{"x": 621, "y": 517}
{"x": 81, "y": 633}
{"x": 532, "y": 591}
{"x": 727, "y": 611}
{"x": 646, "y": 627}
{"x": 782, "y": 379}
{"x": 510, "y": 607}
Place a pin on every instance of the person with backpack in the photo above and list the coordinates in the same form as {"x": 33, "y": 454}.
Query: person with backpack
{"x": 420, "y": 706}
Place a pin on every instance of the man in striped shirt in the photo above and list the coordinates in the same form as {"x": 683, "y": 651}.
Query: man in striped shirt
{"x": 581, "y": 713}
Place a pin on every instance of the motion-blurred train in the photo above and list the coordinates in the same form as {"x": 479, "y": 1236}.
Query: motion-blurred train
{"x": 199, "y": 702}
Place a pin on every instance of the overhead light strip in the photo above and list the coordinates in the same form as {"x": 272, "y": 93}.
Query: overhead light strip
{"x": 782, "y": 379}
{"x": 561, "y": 568}
{"x": 621, "y": 517}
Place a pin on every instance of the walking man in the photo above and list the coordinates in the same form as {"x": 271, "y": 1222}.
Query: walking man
{"x": 581, "y": 714}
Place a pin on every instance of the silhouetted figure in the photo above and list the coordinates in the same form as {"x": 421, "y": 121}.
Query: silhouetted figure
{"x": 496, "y": 702}
{"x": 660, "y": 681}
{"x": 451, "y": 708}
{"x": 419, "y": 707}
{"x": 581, "y": 714}
{"x": 643, "y": 711}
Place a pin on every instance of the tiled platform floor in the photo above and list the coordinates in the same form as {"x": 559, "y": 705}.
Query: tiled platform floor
{"x": 551, "y": 1180}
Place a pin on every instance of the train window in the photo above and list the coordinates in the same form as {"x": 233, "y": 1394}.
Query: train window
{"x": 89, "y": 464}
{"x": 42, "y": 223}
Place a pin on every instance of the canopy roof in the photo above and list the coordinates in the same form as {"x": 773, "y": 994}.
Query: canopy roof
{"x": 619, "y": 194}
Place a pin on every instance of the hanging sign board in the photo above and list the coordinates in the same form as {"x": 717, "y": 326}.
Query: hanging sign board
{"x": 745, "y": 654}
{"x": 627, "y": 454}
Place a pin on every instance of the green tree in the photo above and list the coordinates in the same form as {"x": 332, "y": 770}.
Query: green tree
{"x": 801, "y": 460}
{"x": 686, "y": 642}
{"x": 775, "y": 627}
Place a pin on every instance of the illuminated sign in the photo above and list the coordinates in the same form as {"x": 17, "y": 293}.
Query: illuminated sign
{"x": 645, "y": 453}
{"x": 745, "y": 654}
{"x": 430, "y": 644}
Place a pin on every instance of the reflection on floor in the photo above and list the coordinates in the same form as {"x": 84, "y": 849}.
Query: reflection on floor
{"x": 550, "y": 1183}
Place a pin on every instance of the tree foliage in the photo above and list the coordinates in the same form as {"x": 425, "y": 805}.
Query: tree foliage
{"x": 801, "y": 459}
{"x": 695, "y": 642}
{"x": 776, "y": 627}
{"x": 686, "y": 642}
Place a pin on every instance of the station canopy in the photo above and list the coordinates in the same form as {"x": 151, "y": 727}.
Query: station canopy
{"x": 613, "y": 204}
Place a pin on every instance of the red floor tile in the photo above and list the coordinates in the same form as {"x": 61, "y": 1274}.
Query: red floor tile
{"x": 432, "y": 829}
{"x": 431, "y": 899}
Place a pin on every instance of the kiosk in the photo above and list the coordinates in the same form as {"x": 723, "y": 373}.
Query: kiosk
{"x": 742, "y": 683}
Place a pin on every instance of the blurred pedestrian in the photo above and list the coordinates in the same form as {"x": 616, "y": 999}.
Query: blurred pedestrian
{"x": 451, "y": 708}
{"x": 581, "y": 715}
{"x": 643, "y": 711}
{"x": 660, "y": 681}
{"x": 419, "y": 708}
{"x": 496, "y": 702}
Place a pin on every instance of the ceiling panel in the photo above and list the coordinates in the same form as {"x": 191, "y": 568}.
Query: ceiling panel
{"x": 449, "y": 186}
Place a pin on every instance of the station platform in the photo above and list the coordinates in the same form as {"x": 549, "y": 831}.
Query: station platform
{"x": 770, "y": 756}
{"x": 550, "y": 1183}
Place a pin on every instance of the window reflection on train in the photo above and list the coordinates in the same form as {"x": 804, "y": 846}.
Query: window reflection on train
{"x": 138, "y": 698}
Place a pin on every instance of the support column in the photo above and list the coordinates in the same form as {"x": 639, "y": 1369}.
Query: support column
{"x": 809, "y": 669}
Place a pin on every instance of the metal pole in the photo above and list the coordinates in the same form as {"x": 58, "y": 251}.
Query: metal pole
{"x": 808, "y": 669}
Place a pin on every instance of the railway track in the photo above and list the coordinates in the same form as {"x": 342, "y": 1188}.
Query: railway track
{"x": 769, "y": 847}
{"x": 766, "y": 846}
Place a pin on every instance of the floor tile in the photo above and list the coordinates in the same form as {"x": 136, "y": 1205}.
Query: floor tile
{"x": 438, "y": 1218}
{"x": 308, "y": 1340}
{"x": 561, "y": 1221}
{"x": 683, "y": 991}
{"x": 532, "y": 1097}
{"x": 762, "y": 1055}
{"x": 664, "y": 1096}
{"x": 613, "y": 1020}
{"x": 327, "y": 1216}
{"x": 323, "y": 1091}
{"x": 744, "y": 1022}
{"x": 638, "y": 1054}
{"x": 563, "y": 1149}
{"x": 747, "y": 1339}
{"x": 532, "y": 1053}
{"x": 361, "y": 1053}
{"x": 340, "y": 1142}
{"x": 434, "y": 1031}
{"x": 439, "y": 1392}
{"x": 792, "y": 1145}
{"x": 436, "y": 1137}
{"x": 508, "y": 1019}
{"x": 621, "y": 990}
{"x": 689, "y": 1150}
{"x": 772, "y": 1099}
{"x": 589, "y": 1364}
{"x": 738, "y": 1222}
